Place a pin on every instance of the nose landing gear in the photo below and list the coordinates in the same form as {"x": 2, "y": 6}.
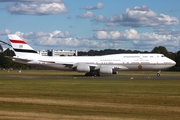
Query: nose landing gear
{"x": 159, "y": 73}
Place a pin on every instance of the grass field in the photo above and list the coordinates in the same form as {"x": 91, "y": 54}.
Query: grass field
{"x": 75, "y": 98}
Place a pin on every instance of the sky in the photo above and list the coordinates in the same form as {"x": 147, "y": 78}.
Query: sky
{"x": 92, "y": 24}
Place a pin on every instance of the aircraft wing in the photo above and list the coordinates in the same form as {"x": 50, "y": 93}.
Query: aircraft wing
{"x": 74, "y": 65}
{"x": 119, "y": 68}
{"x": 96, "y": 66}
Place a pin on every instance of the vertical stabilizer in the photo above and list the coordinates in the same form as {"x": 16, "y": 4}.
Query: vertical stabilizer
{"x": 21, "y": 48}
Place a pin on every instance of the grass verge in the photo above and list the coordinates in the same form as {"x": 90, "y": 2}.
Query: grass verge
{"x": 88, "y": 98}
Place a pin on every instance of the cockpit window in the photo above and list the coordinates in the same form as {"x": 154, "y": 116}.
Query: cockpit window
{"x": 162, "y": 56}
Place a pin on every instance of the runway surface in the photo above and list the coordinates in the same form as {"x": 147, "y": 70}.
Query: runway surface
{"x": 136, "y": 77}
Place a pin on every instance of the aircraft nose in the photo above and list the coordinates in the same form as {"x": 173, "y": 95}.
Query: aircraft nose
{"x": 173, "y": 62}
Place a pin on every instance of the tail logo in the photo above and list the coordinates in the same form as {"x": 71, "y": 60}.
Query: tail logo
{"x": 20, "y": 46}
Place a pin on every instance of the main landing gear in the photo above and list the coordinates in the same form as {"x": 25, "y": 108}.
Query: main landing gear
{"x": 92, "y": 73}
{"x": 159, "y": 73}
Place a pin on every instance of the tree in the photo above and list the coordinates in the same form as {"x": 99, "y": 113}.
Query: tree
{"x": 91, "y": 53}
{"x": 5, "y": 62}
{"x": 177, "y": 59}
{"x": 160, "y": 49}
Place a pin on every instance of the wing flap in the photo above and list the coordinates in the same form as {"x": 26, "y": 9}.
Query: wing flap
{"x": 74, "y": 65}
{"x": 119, "y": 68}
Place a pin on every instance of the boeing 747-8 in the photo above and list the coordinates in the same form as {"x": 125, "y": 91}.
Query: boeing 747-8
{"x": 91, "y": 65}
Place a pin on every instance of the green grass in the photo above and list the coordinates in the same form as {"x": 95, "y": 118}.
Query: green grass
{"x": 87, "y": 98}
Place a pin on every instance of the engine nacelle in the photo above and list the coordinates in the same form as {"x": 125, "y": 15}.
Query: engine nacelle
{"x": 106, "y": 70}
{"x": 83, "y": 68}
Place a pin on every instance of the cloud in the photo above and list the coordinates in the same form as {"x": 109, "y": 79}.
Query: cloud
{"x": 175, "y": 33}
{"x": 145, "y": 41}
{"x": 98, "y": 6}
{"x": 127, "y": 39}
{"x": 33, "y": 1}
{"x": 88, "y": 14}
{"x": 131, "y": 34}
{"x": 103, "y": 35}
{"x": 69, "y": 42}
{"x": 34, "y": 35}
{"x": 116, "y": 35}
{"x": 5, "y": 32}
{"x": 59, "y": 34}
{"x": 142, "y": 17}
{"x": 34, "y": 7}
{"x": 103, "y": 29}
{"x": 62, "y": 40}
{"x": 99, "y": 18}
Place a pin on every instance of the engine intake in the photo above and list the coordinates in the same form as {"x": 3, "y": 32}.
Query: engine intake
{"x": 83, "y": 68}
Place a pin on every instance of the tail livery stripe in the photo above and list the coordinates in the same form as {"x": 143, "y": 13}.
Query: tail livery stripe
{"x": 18, "y": 41}
{"x": 25, "y": 50}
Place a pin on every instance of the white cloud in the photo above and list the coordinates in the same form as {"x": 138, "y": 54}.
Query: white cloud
{"x": 128, "y": 39}
{"x": 98, "y": 6}
{"x": 59, "y": 34}
{"x": 33, "y": 7}
{"x": 99, "y": 18}
{"x": 58, "y": 39}
{"x": 61, "y": 42}
{"x": 148, "y": 41}
{"x": 116, "y": 35}
{"x": 103, "y": 35}
{"x": 142, "y": 17}
{"x": 88, "y": 14}
{"x": 33, "y": 1}
{"x": 156, "y": 39}
{"x": 34, "y": 35}
{"x": 5, "y": 32}
{"x": 103, "y": 29}
{"x": 131, "y": 34}
{"x": 143, "y": 41}
{"x": 70, "y": 43}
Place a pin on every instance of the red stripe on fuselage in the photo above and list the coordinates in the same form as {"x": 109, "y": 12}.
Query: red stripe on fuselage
{"x": 18, "y": 41}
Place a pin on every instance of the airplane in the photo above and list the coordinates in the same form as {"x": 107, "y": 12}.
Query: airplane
{"x": 90, "y": 65}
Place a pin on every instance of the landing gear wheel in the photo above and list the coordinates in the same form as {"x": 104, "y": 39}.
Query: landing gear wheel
{"x": 96, "y": 73}
{"x": 159, "y": 73}
{"x": 88, "y": 74}
{"x": 92, "y": 73}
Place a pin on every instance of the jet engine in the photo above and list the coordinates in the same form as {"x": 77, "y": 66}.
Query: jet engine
{"x": 83, "y": 68}
{"x": 106, "y": 70}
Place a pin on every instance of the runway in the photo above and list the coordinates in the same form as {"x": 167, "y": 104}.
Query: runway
{"x": 124, "y": 77}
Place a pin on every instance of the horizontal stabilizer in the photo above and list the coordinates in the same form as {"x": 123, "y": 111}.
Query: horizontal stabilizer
{"x": 19, "y": 60}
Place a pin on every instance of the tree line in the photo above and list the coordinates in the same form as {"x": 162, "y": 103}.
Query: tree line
{"x": 8, "y": 63}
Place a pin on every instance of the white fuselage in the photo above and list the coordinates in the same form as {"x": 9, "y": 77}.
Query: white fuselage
{"x": 130, "y": 61}
{"x": 92, "y": 65}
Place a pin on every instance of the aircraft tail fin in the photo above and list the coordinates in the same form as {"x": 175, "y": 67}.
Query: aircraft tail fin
{"x": 20, "y": 47}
